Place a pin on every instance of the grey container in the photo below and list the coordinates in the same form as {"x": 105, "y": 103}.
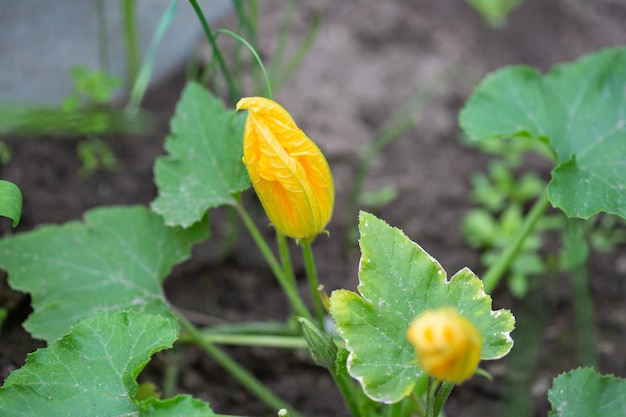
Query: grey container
{"x": 41, "y": 40}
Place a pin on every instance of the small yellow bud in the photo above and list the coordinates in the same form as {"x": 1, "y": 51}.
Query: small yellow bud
{"x": 447, "y": 344}
{"x": 288, "y": 171}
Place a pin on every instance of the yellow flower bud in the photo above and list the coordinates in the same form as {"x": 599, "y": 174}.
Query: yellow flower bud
{"x": 288, "y": 171}
{"x": 447, "y": 344}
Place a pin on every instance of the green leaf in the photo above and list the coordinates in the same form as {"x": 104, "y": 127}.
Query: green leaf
{"x": 92, "y": 371}
{"x": 204, "y": 168}
{"x": 379, "y": 198}
{"x": 580, "y": 109}
{"x": 181, "y": 405}
{"x": 10, "y": 201}
{"x": 398, "y": 281}
{"x": 494, "y": 11}
{"x": 583, "y": 393}
{"x": 321, "y": 345}
{"x": 114, "y": 261}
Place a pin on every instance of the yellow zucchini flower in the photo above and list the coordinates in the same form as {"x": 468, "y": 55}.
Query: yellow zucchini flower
{"x": 288, "y": 171}
{"x": 447, "y": 344}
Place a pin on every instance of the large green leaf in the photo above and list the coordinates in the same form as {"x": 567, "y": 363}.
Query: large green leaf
{"x": 584, "y": 393}
{"x": 91, "y": 372}
{"x": 398, "y": 281}
{"x": 580, "y": 109}
{"x": 204, "y": 168}
{"x": 114, "y": 261}
{"x": 10, "y": 201}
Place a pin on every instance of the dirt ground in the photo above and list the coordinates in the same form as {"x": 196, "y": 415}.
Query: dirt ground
{"x": 370, "y": 57}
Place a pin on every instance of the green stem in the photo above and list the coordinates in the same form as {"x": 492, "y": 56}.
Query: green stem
{"x": 103, "y": 37}
{"x": 242, "y": 21}
{"x": 285, "y": 257}
{"x": 256, "y": 56}
{"x": 418, "y": 405}
{"x": 282, "y": 40}
{"x": 171, "y": 372}
{"x": 273, "y": 341}
{"x": 132, "y": 41}
{"x": 583, "y": 304}
{"x": 296, "y": 302}
{"x": 346, "y": 387}
{"x": 247, "y": 23}
{"x": 311, "y": 273}
{"x": 496, "y": 270}
{"x": 303, "y": 49}
{"x": 142, "y": 80}
{"x": 430, "y": 397}
{"x": 232, "y": 88}
{"x": 243, "y": 376}
{"x": 397, "y": 409}
{"x": 442, "y": 396}
{"x": 583, "y": 310}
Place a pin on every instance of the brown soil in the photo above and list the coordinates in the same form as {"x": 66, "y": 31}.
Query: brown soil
{"x": 369, "y": 59}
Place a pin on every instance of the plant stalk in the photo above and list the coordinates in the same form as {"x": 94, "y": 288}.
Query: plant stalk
{"x": 285, "y": 257}
{"x": 346, "y": 387}
{"x": 430, "y": 397}
{"x": 282, "y": 41}
{"x": 583, "y": 304}
{"x": 232, "y": 88}
{"x": 103, "y": 37}
{"x": 494, "y": 273}
{"x": 171, "y": 373}
{"x": 418, "y": 405}
{"x": 268, "y": 84}
{"x": 442, "y": 396}
{"x": 290, "y": 290}
{"x": 131, "y": 39}
{"x": 273, "y": 341}
{"x": 311, "y": 273}
{"x": 243, "y": 376}
{"x": 142, "y": 79}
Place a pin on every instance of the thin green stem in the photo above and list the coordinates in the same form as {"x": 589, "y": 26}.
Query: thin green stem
{"x": 583, "y": 304}
{"x": 442, "y": 396}
{"x": 103, "y": 37}
{"x": 346, "y": 386}
{"x": 232, "y": 88}
{"x": 277, "y": 57}
{"x": 253, "y": 21}
{"x": 256, "y": 56}
{"x": 131, "y": 38}
{"x": 140, "y": 84}
{"x": 311, "y": 273}
{"x": 296, "y": 302}
{"x": 418, "y": 405}
{"x": 583, "y": 308}
{"x": 242, "y": 22}
{"x": 244, "y": 377}
{"x": 397, "y": 409}
{"x": 497, "y": 269}
{"x": 171, "y": 372}
{"x": 302, "y": 51}
{"x": 285, "y": 257}
{"x": 273, "y": 341}
{"x": 430, "y": 397}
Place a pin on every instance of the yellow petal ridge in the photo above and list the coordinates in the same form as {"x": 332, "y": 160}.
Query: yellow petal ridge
{"x": 288, "y": 171}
